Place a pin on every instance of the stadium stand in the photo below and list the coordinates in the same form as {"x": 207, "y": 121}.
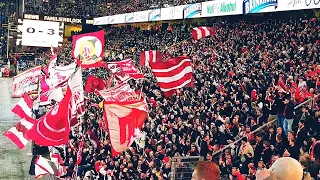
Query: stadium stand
{"x": 248, "y": 79}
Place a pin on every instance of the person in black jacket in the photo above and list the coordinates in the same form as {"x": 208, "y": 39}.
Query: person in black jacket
{"x": 288, "y": 114}
{"x": 302, "y": 134}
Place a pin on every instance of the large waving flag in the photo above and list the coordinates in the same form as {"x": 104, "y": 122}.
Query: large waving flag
{"x": 201, "y": 32}
{"x": 122, "y": 118}
{"x": 89, "y": 49}
{"x": 124, "y": 112}
{"x": 53, "y": 129}
{"x": 150, "y": 56}
{"x": 173, "y": 74}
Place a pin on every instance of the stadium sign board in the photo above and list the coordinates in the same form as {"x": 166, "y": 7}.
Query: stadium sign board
{"x": 209, "y": 9}
{"x": 221, "y": 8}
{"x": 57, "y": 19}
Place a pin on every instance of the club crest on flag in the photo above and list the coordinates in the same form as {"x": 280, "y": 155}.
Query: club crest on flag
{"x": 89, "y": 48}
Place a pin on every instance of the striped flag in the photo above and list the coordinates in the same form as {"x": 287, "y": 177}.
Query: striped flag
{"x": 150, "y": 56}
{"x": 44, "y": 167}
{"x": 18, "y": 133}
{"x": 201, "y": 32}
{"x": 23, "y": 109}
{"x": 173, "y": 74}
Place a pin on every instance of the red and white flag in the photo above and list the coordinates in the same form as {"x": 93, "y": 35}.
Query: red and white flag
{"x": 89, "y": 49}
{"x": 124, "y": 70}
{"x": 24, "y": 107}
{"x": 148, "y": 57}
{"x": 122, "y": 118}
{"x": 77, "y": 100}
{"x": 44, "y": 167}
{"x": 26, "y": 82}
{"x": 57, "y": 160}
{"x": 53, "y": 129}
{"x": 55, "y": 94}
{"x": 119, "y": 93}
{"x": 173, "y": 74}
{"x": 79, "y": 153}
{"x": 18, "y": 133}
{"x": 201, "y": 32}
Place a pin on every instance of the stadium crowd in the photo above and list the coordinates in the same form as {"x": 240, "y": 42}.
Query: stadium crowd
{"x": 251, "y": 73}
{"x": 95, "y": 8}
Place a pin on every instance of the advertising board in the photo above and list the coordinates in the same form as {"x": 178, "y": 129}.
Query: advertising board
{"x": 221, "y": 8}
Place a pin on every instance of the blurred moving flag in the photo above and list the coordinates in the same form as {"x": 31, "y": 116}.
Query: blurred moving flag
{"x": 201, "y": 32}
{"x": 173, "y": 74}
{"x": 148, "y": 57}
{"x": 89, "y": 49}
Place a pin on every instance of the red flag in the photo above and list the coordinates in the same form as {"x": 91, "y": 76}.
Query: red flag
{"x": 77, "y": 100}
{"x": 24, "y": 107}
{"x": 122, "y": 118}
{"x": 120, "y": 93}
{"x": 124, "y": 70}
{"x": 201, "y": 32}
{"x": 173, "y": 74}
{"x": 89, "y": 49}
{"x": 18, "y": 133}
{"x": 94, "y": 83}
{"x": 79, "y": 154}
{"x": 53, "y": 128}
{"x": 150, "y": 56}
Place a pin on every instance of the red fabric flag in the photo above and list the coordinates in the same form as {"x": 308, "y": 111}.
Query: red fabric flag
{"x": 89, "y": 49}
{"x": 18, "y": 133}
{"x": 148, "y": 57}
{"x": 124, "y": 70}
{"x": 122, "y": 118}
{"x": 201, "y": 32}
{"x": 173, "y": 74}
{"x": 94, "y": 83}
{"x": 53, "y": 128}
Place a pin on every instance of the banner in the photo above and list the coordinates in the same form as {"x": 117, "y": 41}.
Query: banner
{"x": 258, "y": 6}
{"x": 27, "y": 81}
{"x": 129, "y": 18}
{"x": 192, "y": 11}
{"x": 221, "y": 8}
{"x": 89, "y": 48}
{"x": 141, "y": 16}
{"x": 297, "y": 5}
{"x": 155, "y": 15}
{"x": 167, "y": 13}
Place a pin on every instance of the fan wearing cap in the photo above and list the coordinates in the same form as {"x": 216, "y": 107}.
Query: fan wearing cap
{"x": 206, "y": 170}
{"x": 285, "y": 168}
